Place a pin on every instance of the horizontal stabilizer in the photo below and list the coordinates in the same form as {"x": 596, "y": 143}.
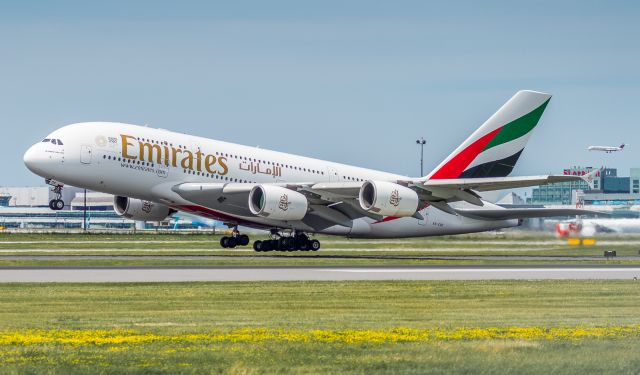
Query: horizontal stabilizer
{"x": 521, "y": 213}
{"x": 495, "y": 183}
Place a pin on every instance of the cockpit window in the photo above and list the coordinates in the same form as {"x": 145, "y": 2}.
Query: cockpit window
{"x": 53, "y": 140}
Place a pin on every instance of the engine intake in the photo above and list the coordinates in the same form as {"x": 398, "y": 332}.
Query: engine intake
{"x": 278, "y": 203}
{"x": 388, "y": 199}
{"x": 140, "y": 210}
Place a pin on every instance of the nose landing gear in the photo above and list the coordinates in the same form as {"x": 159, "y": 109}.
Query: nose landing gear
{"x": 57, "y": 203}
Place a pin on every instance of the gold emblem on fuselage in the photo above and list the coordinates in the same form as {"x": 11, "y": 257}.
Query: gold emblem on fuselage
{"x": 394, "y": 200}
{"x": 147, "y": 206}
{"x": 284, "y": 202}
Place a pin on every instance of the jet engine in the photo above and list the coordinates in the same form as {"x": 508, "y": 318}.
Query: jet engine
{"x": 388, "y": 199}
{"x": 278, "y": 203}
{"x": 140, "y": 210}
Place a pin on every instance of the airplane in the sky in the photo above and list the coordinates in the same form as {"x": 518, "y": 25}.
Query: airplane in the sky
{"x": 154, "y": 173}
{"x": 607, "y": 149}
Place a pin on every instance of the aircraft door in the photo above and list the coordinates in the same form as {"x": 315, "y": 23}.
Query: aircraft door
{"x": 333, "y": 175}
{"x": 85, "y": 154}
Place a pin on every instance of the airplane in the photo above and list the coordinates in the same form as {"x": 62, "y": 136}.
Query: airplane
{"x": 154, "y": 173}
{"x": 607, "y": 149}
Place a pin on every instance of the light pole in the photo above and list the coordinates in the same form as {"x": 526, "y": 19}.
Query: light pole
{"x": 84, "y": 215}
{"x": 421, "y": 142}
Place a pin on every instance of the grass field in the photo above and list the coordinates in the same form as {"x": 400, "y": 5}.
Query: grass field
{"x": 322, "y": 327}
{"x": 316, "y": 327}
{"x": 193, "y": 249}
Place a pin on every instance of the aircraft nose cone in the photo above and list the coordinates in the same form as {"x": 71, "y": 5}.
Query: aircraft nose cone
{"x": 33, "y": 159}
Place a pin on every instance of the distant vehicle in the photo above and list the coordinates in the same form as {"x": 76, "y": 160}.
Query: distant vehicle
{"x": 591, "y": 227}
{"x": 607, "y": 149}
{"x": 181, "y": 218}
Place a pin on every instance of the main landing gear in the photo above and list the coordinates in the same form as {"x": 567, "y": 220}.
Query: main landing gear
{"x": 236, "y": 239}
{"x": 297, "y": 241}
{"x": 57, "y": 203}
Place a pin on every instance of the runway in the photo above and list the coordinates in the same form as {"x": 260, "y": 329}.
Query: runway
{"x": 276, "y": 256}
{"x": 313, "y": 273}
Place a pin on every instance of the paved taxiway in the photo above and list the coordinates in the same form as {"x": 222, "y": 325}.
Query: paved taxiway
{"x": 313, "y": 273}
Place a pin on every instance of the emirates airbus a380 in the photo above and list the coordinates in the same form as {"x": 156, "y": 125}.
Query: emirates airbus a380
{"x": 154, "y": 173}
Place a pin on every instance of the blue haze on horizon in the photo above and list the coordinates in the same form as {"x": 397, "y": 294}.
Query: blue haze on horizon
{"x": 349, "y": 81}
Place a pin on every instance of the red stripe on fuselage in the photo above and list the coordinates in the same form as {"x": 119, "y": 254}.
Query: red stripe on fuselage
{"x": 454, "y": 167}
{"x": 391, "y": 218}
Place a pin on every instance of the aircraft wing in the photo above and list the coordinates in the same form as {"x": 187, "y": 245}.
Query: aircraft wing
{"x": 336, "y": 203}
{"x": 520, "y": 213}
{"x": 330, "y": 203}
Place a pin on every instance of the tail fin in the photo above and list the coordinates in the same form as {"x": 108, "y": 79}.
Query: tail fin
{"x": 494, "y": 149}
{"x": 590, "y": 178}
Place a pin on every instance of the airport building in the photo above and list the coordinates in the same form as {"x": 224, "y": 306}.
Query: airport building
{"x": 24, "y": 196}
{"x": 620, "y": 194}
{"x": 28, "y": 208}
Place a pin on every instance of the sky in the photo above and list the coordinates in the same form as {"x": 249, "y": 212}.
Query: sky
{"x": 355, "y": 82}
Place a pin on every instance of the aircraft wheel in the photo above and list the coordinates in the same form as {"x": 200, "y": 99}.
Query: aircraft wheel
{"x": 56, "y": 204}
{"x": 275, "y": 244}
{"x": 268, "y": 245}
{"x": 303, "y": 245}
{"x": 282, "y": 244}
{"x": 258, "y": 246}
{"x": 288, "y": 244}
{"x": 243, "y": 240}
{"x": 224, "y": 242}
{"x": 231, "y": 242}
{"x": 314, "y": 245}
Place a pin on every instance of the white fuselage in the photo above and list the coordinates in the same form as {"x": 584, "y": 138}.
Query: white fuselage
{"x": 146, "y": 163}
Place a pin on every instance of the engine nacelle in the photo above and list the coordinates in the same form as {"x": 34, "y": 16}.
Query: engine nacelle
{"x": 140, "y": 210}
{"x": 388, "y": 199}
{"x": 278, "y": 203}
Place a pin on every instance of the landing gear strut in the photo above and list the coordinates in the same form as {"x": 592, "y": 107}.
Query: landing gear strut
{"x": 297, "y": 241}
{"x": 57, "y": 203}
{"x": 236, "y": 239}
